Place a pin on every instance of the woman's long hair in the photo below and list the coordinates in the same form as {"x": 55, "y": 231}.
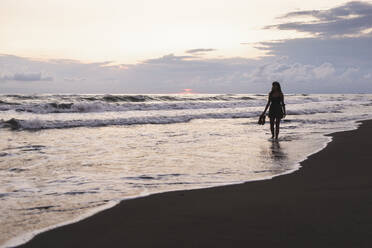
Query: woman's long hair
{"x": 277, "y": 84}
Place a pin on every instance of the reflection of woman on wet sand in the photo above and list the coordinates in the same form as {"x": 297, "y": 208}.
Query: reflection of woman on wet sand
{"x": 277, "y": 108}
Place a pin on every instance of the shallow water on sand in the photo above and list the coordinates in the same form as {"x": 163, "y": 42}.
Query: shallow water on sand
{"x": 51, "y": 173}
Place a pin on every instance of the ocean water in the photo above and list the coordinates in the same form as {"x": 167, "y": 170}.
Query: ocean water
{"x": 65, "y": 157}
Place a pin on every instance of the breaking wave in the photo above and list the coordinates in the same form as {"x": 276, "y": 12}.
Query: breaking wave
{"x": 135, "y": 98}
{"x": 98, "y": 106}
{"x": 36, "y": 124}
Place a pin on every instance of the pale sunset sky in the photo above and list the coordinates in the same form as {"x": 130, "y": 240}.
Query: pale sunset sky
{"x": 164, "y": 46}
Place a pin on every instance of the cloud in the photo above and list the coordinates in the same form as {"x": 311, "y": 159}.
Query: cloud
{"x": 337, "y": 58}
{"x": 74, "y": 79}
{"x": 350, "y": 19}
{"x": 292, "y": 73}
{"x": 26, "y": 77}
{"x": 200, "y": 50}
{"x": 56, "y": 75}
{"x": 323, "y": 71}
{"x": 350, "y": 73}
{"x": 307, "y": 65}
{"x": 169, "y": 58}
{"x": 342, "y": 52}
{"x": 368, "y": 76}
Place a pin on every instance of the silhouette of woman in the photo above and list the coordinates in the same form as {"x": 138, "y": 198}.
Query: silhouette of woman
{"x": 277, "y": 108}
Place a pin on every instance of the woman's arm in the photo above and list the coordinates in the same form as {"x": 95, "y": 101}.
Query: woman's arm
{"x": 283, "y": 106}
{"x": 267, "y": 105}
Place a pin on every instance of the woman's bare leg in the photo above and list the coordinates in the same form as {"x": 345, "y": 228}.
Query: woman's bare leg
{"x": 272, "y": 127}
{"x": 277, "y": 127}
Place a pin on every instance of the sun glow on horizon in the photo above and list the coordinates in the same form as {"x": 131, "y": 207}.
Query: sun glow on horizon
{"x": 187, "y": 92}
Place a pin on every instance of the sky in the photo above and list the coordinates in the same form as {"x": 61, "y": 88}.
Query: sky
{"x": 164, "y": 46}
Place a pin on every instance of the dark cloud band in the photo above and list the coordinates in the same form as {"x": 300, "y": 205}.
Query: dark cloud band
{"x": 200, "y": 50}
{"x": 26, "y": 77}
{"x": 352, "y": 18}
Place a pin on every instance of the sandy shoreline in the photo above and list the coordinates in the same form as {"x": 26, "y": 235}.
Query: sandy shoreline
{"x": 327, "y": 203}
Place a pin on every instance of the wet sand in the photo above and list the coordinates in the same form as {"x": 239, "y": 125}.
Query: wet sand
{"x": 327, "y": 203}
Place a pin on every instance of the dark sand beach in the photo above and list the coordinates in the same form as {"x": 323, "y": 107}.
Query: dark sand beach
{"x": 327, "y": 203}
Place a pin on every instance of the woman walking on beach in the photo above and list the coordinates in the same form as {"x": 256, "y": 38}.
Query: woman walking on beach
{"x": 276, "y": 110}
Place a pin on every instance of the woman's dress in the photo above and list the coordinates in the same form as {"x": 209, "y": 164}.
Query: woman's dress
{"x": 276, "y": 107}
